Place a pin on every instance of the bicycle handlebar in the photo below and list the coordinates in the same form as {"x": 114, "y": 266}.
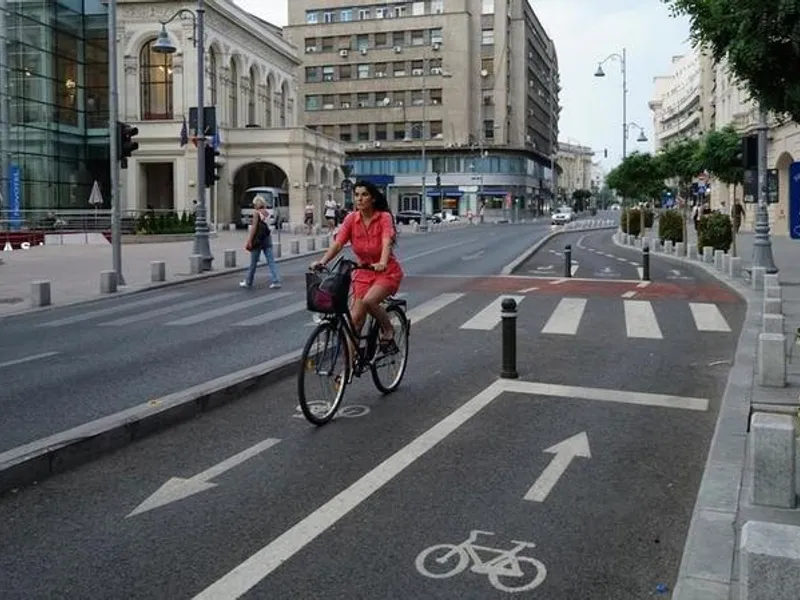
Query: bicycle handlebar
{"x": 352, "y": 263}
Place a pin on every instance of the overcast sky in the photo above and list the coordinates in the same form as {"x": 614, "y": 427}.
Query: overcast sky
{"x": 585, "y": 32}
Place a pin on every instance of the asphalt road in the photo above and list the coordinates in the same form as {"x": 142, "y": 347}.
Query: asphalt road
{"x": 64, "y": 367}
{"x": 605, "y": 434}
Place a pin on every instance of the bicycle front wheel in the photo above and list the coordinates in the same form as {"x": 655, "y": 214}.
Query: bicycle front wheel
{"x": 388, "y": 369}
{"x": 324, "y": 373}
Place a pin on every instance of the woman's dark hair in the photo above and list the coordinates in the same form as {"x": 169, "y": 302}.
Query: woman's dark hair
{"x": 379, "y": 201}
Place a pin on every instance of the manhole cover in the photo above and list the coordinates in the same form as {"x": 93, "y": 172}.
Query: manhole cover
{"x": 11, "y": 300}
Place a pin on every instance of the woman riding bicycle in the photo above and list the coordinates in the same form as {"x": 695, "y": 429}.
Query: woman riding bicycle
{"x": 371, "y": 231}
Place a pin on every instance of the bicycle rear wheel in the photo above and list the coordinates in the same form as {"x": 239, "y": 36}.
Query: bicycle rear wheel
{"x": 325, "y": 366}
{"x": 388, "y": 369}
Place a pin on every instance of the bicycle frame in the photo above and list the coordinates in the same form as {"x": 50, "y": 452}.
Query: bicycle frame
{"x": 503, "y": 559}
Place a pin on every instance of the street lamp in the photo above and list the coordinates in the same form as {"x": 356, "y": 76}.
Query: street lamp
{"x": 165, "y": 45}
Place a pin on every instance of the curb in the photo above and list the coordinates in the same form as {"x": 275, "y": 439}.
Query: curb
{"x": 707, "y": 566}
{"x": 62, "y": 451}
{"x": 515, "y": 264}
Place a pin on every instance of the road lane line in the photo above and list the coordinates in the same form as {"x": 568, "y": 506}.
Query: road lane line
{"x": 434, "y": 250}
{"x": 158, "y": 312}
{"x": 124, "y": 306}
{"x": 489, "y": 317}
{"x": 640, "y": 320}
{"x": 248, "y": 574}
{"x": 268, "y": 317}
{"x": 707, "y": 317}
{"x": 19, "y": 361}
{"x": 226, "y": 310}
{"x": 566, "y": 318}
{"x": 432, "y": 306}
{"x": 629, "y": 294}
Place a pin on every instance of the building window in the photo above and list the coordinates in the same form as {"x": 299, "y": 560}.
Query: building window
{"x": 345, "y": 72}
{"x": 488, "y": 129}
{"x": 435, "y": 66}
{"x": 312, "y": 103}
{"x": 211, "y": 75}
{"x": 436, "y": 129}
{"x": 417, "y": 98}
{"x": 417, "y": 131}
{"x": 381, "y": 69}
{"x": 362, "y": 42}
{"x": 417, "y": 68}
{"x": 363, "y": 101}
{"x": 345, "y": 100}
{"x": 399, "y": 69}
{"x": 346, "y": 15}
{"x": 487, "y": 8}
{"x": 363, "y": 14}
{"x": 380, "y": 13}
{"x": 363, "y": 71}
{"x": 487, "y": 66}
{"x": 363, "y": 132}
{"x": 329, "y": 17}
{"x": 436, "y": 36}
{"x": 312, "y": 17}
{"x": 233, "y": 96}
{"x": 417, "y": 37}
{"x": 155, "y": 83}
{"x": 328, "y": 102}
{"x": 399, "y": 11}
{"x": 436, "y": 96}
{"x": 251, "y": 98}
{"x": 312, "y": 74}
{"x": 418, "y": 9}
{"x": 327, "y": 73}
{"x": 383, "y": 98}
{"x": 380, "y": 131}
{"x": 399, "y": 38}
{"x": 328, "y": 44}
{"x": 487, "y": 37}
{"x": 268, "y": 103}
{"x": 345, "y": 133}
{"x": 381, "y": 40}
{"x": 399, "y": 131}
{"x": 437, "y": 7}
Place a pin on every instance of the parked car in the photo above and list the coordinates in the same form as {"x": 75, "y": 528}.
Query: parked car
{"x": 406, "y": 217}
{"x": 562, "y": 216}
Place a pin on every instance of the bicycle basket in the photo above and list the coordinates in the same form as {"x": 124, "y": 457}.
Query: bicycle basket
{"x": 327, "y": 293}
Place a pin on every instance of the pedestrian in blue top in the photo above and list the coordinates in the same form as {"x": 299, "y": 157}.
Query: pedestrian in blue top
{"x": 260, "y": 240}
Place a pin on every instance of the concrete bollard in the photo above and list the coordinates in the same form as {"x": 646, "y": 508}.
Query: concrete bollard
{"x": 735, "y": 266}
{"x": 771, "y": 280}
{"x": 718, "y": 254}
{"x": 691, "y": 251}
{"x": 195, "y": 264}
{"x": 230, "y": 259}
{"x": 772, "y": 360}
{"x": 708, "y": 254}
{"x": 276, "y": 250}
{"x": 40, "y": 293}
{"x": 158, "y": 271}
{"x": 757, "y": 278}
{"x": 772, "y": 323}
{"x": 773, "y": 456}
{"x": 294, "y": 247}
{"x": 773, "y": 292}
{"x": 726, "y": 263}
{"x": 108, "y": 282}
{"x": 326, "y": 242}
{"x": 773, "y": 306}
{"x": 680, "y": 249}
{"x": 769, "y": 563}
{"x": 311, "y": 244}
{"x": 668, "y": 247}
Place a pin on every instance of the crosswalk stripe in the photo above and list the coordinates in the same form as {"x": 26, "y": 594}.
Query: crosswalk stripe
{"x": 103, "y": 312}
{"x": 226, "y": 310}
{"x": 707, "y": 317}
{"x": 566, "y": 318}
{"x": 640, "y": 320}
{"x": 158, "y": 312}
{"x": 489, "y": 317}
{"x": 434, "y": 305}
{"x": 273, "y": 315}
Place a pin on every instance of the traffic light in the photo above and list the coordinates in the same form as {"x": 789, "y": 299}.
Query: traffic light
{"x": 211, "y": 166}
{"x": 126, "y": 145}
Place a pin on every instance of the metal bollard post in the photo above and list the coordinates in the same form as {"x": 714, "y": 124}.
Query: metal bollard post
{"x": 646, "y": 263}
{"x": 568, "y": 260}
{"x": 509, "y": 315}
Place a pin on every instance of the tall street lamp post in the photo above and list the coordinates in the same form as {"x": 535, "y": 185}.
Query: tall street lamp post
{"x": 165, "y": 45}
{"x": 762, "y": 246}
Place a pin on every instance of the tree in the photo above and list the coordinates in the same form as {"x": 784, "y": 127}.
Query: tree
{"x": 759, "y": 40}
{"x": 682, "y": 160}
{"x": 638, "y": 177}
{"x": 579, "y": 199}
{"x": 721, "y": 155}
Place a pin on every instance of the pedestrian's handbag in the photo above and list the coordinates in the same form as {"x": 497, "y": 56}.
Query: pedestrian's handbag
{"x": 328, "y": 292}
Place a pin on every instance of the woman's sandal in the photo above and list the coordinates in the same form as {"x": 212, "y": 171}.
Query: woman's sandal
{"x": 387, "y": 345}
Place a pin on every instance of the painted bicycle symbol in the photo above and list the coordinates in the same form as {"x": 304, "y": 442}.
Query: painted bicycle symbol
{"x": 506, "y": 570}
{"x": 351, "y": 411}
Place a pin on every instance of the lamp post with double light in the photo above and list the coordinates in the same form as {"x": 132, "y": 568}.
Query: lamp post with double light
{"x": 165, "y": 45}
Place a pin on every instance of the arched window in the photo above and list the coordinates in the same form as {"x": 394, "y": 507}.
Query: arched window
{"x": 284, "y": 99}
{"x": 251, "y": 98}
{"x": 155, "y": 83}
{"x": 233, "y": 97}
{"x": 268, "y": 104}
{"x": 212, "y": 76}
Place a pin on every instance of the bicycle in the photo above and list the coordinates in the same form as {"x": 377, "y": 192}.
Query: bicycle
{"x": 336, "y": 329}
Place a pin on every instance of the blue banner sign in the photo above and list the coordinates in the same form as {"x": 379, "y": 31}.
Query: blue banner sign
{"x": 794, "y": 200}
{"x": 15, "y": 196}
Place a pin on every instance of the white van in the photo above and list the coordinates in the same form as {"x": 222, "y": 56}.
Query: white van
{"x": 277, "y": 201}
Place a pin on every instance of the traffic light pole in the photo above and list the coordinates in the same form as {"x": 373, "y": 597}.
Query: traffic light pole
{"x": 113, "y": 150}
{"x": 201, "y": 244}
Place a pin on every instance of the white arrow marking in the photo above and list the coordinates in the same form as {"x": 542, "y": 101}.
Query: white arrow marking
{"x": 675, "y": 272}
{"x": 640, "y": 270}
{"x": 178, "y": 488}
{"x": 547, "y": 268}
{"x": 573, "y": 269}
{"x": 577, "y": 445}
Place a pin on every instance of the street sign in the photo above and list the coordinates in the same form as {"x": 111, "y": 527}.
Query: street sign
{"x": 96, "y": 197}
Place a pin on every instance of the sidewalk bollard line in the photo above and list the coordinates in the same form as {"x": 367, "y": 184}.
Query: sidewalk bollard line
{"x": 509, "y": 317}
{"x": 568, "y": 260}
{"x": 646, "y": 263}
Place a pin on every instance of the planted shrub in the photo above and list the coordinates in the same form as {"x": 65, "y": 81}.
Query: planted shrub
{"x": 715, "y": 230}
{"x": 633, "y": 222}
{"x": 670, "y": 226}
{"x": 165, "y": 223}
{"x": 649, "y": 217}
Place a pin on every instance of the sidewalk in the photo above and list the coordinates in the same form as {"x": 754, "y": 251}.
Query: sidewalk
{"x": 73, "y": 270}
{"x": 713, "y": 565}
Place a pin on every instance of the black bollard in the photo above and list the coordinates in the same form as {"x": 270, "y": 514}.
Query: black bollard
{"x": 509, "y": 315}
{"x": 646, "y": 263}
{"x": 568, "y": 260}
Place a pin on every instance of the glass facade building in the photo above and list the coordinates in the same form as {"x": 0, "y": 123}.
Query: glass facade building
{"x": 54, "y": 123}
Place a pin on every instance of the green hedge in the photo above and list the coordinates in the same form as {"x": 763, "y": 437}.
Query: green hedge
{"x": 165, "y": 223}
{"x": 634, "y": 221}
{"x": 715, "y": 230}
{"x": 670, "y": 226}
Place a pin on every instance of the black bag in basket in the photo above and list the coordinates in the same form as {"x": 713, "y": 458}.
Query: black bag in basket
{"x": 328, "y": 292}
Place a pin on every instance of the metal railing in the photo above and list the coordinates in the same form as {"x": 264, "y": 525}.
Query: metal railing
{"x": 65, "y": 221}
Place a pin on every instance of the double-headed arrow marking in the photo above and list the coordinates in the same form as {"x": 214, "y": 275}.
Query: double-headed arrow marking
{"x": 178, "y": 488}
{"x": 565, "y": 452}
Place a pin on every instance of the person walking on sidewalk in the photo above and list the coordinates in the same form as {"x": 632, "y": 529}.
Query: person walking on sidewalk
{"x": 260, "y": 240}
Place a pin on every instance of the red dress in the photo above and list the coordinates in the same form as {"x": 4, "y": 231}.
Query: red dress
{"x": 367, "y": 242}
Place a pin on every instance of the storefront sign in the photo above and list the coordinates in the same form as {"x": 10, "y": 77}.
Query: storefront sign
{"x": 15, "y": 196}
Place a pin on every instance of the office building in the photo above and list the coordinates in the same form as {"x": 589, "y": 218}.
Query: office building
{"x": 453, "y": 100}
{"x": 576, "y": 169}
